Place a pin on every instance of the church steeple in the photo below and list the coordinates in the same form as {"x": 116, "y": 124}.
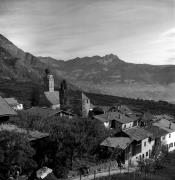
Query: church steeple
{"x": 48, "y": 81}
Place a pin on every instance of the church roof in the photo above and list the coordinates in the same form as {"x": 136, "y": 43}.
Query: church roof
{"x": 53, "y": 97}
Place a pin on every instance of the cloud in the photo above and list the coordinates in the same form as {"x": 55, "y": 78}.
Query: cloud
{"x": 69, "y": 28}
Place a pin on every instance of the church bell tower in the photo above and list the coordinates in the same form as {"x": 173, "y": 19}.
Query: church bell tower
{"x": 48, "y": 81}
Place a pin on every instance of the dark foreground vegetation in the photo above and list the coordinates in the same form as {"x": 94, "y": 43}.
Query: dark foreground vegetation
{"x": 70, "y": 144}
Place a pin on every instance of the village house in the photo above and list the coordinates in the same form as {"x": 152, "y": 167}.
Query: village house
{"x": 157, "y": 134}
{"x": 5, "y": 111}
{"x": 138, "y": 141}
{"x": 163, "y": 116}
{"x": 14, "y": 104}
{"x": 169, "y": 138}
{"x": 136, "y": 144}
{"x": 117, "y": 120}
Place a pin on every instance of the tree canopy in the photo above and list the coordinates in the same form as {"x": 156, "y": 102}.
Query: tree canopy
{"x": 15, "y": 150}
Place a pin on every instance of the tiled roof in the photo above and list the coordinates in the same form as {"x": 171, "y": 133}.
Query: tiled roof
{"x": 121, "y": 118}
{"x": 32, "y": 135}
{"x": 53, "y": 97}
{"x": 5, "y": 109}
{"x": 137, "y": 133}
{"x": 164, "y": 116}
{"x": 165, "y": 125}
{"x": 11, "y": 101}
{"x": 120, "y": 142}
{"x": 124, "y": 109}
{"x": 156, "y": 131}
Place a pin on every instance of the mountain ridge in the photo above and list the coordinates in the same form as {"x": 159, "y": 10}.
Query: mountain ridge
{"x": 107, "y": 74}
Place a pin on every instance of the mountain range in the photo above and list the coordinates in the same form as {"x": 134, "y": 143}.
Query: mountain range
{"x": 107, "y": 75}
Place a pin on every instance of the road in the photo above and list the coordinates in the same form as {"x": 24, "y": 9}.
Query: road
{"x": 102, "y": 174}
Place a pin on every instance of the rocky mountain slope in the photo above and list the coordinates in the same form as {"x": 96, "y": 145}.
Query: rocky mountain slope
{"x": 111, "y": 75}
{"x": 108, "y": 74}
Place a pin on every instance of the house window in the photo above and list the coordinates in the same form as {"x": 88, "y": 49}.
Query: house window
{"x": 135, "y": 123}
{"x": 163, "y": 138}
{"x": 124, "y": 126}
{"x": 147, "y": 153}
{"x": 169, "y": 135}
{"x": 144, "y": 143}
{"x": 149, "y": 139}
{"x": 170, "y": 145}
{"x": 143, "y": 156}
{"x": 113, "y": 124}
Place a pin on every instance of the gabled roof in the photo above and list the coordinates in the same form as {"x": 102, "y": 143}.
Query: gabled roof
{"x": 120, "y": 142}
{"x": 53, "y": 97}
{"x": 11, "y": 101}
{"x": 163, "y": 116}
{"x": 156, "y": 131}
{"x": 124, "y": 109}
{"x": 5, "y": 109}
{"x": 147, "y": 116}
{"x": 165, "y": 125}
{"x": 137, "y": 133}
{"x": 119, "y": 117}
{"x": 31, "y": 134}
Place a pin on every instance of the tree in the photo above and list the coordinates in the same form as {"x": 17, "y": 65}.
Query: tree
{"x": 35, "y": 96}
{"x": 15, "y": 150}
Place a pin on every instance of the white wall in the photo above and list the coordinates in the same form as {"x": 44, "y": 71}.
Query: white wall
{"x": 127, "y": 125}
{"x": 18, "y": 107}
{"x": 107, "y": 124}
{"x": 57, "y": 106}
{"x": 145, "y": 150}
{"x": 169, "y": 139}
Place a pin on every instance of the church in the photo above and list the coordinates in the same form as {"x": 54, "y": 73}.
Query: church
{"x": 50, "y": 98}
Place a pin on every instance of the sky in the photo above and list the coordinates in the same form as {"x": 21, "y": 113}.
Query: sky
{"x": 138, "y": 31}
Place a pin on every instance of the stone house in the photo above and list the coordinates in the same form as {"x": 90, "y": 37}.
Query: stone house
{"x": 117, "y": 120}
